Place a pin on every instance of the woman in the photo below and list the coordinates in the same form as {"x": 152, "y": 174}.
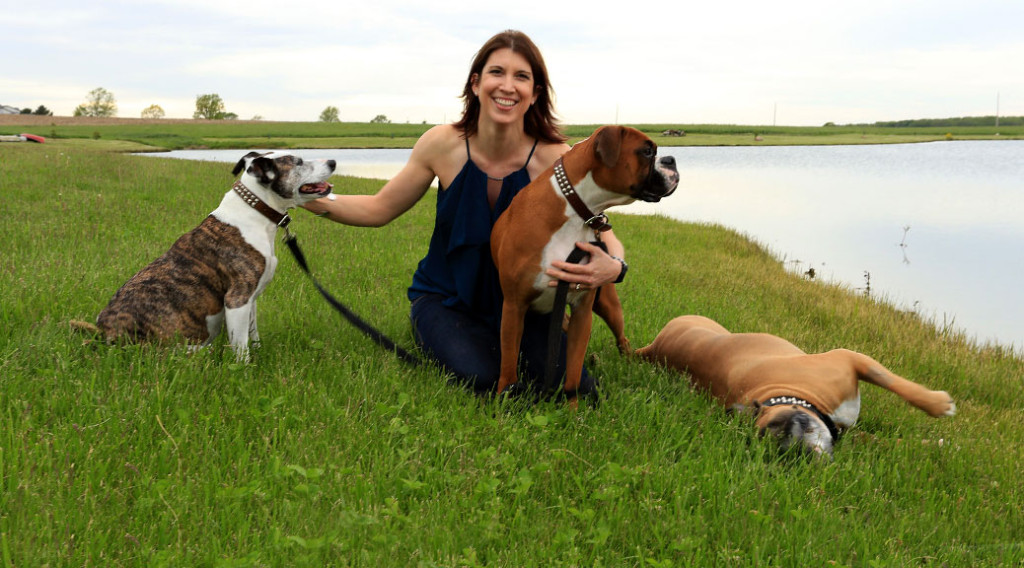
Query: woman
{"x": 507, "y": 136}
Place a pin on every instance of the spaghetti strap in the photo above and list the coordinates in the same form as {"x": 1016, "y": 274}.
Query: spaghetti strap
{"x": 468, "y": 157}
{"x": 535, "y": 140}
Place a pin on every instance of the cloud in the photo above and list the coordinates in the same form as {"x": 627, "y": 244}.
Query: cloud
{"x": 793, "y": 61}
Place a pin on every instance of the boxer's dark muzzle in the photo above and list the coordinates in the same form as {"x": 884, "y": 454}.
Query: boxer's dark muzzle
{"x": 661, "y": 181}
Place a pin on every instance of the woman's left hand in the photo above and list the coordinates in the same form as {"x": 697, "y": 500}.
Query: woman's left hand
{"x": 600, "y": 270}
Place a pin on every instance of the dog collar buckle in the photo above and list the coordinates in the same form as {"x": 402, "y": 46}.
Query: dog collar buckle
{"x": 598, "y": 222}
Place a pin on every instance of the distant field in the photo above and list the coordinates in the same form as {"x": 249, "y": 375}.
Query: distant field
{"x": 176, "y": 134}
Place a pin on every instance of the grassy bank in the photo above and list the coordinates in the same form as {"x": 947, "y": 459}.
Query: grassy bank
{"x": 180, "y": 134}
{"x": 328, "y": 451}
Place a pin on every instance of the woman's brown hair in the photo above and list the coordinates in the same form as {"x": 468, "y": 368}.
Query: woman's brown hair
{"x": 539, "y": 121}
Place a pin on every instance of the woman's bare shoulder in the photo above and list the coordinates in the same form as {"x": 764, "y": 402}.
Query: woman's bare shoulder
{"x": 440, "y": 139}
{"x": 441, "y": 151}
{"x": 546, "y": 154}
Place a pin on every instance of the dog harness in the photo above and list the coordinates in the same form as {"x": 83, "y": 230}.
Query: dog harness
{"x": 792, "y": 400}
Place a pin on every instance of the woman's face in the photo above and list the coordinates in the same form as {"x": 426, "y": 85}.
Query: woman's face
{"x": 505, "y": 87}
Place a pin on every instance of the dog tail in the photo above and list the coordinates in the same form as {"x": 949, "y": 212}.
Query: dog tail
{"x": 84, "y": 327}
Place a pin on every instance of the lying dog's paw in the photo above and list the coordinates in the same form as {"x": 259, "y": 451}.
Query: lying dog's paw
{"x": 944, "y": 405}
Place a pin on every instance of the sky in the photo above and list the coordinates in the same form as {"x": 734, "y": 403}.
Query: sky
{"x": 787, "y": 62}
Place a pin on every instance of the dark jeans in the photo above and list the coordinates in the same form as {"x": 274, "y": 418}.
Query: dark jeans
{"x": 467, "y": 347}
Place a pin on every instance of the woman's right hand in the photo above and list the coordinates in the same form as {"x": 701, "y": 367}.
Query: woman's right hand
{"x": 399, "y": 194}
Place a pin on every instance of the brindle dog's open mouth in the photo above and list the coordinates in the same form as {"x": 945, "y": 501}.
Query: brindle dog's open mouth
{"x": 322, "y": 188}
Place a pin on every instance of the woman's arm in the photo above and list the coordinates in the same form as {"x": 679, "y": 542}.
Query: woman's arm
{"x": 396, "y": 197}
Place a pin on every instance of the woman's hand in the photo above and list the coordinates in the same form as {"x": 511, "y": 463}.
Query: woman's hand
{"x": 602, "y": 269}
{"x": 399, "y": 194}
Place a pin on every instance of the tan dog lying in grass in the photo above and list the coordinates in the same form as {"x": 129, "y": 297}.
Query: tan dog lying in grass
{"x": 799, "y": 398}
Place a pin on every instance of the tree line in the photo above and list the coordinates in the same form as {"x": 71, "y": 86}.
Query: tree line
{"x": 959, "y": 121}
{"x": 101, "y": 103}
{"x": 40, "y": 111}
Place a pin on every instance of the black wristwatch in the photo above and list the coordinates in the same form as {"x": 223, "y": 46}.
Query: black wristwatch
{"x": 625, "y": 267}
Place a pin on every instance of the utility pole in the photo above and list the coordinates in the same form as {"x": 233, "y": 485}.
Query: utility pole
{"x": 997, "y": 110}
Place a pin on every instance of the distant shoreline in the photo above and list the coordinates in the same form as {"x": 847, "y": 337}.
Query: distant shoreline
{"x": 137, "y": 134}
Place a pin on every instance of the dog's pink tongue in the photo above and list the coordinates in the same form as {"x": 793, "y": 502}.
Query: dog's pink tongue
{"x": 322, "y": 187}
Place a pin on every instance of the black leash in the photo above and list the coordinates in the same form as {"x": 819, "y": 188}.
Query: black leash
{"x": 372, "y": 332}
{"x": 551, "y": 379}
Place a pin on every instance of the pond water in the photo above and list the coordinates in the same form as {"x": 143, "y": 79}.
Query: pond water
{"x": 936, "y": 228}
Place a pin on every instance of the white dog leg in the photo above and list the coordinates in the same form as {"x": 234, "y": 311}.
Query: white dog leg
{"x": 238, "y": 321}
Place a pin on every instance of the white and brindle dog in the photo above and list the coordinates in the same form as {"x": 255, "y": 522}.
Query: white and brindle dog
{"x": 801, "y": 399}
{"x": 213, "y": 274}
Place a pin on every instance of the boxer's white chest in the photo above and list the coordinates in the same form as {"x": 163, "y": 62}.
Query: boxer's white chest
{"x": 559, "y": 247}
{"x": 846, "y": 415}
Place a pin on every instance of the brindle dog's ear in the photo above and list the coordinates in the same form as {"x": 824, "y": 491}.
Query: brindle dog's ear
{"x": 263, "y": 169}
{"x": 241, "y": 163}
{"x": 607, "y": 144}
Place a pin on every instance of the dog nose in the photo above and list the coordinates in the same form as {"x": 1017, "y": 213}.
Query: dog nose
{"x": 331, "y": 164}
{"x": 667, "y": 161}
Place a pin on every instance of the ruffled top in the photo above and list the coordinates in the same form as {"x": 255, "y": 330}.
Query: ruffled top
{"x": 458, "y": 263}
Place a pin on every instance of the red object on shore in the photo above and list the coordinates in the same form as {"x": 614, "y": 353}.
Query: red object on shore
{"x": 32, "y": 138}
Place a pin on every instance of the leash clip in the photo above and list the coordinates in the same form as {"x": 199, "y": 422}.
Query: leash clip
{"x": 599, "y": 218}
{"x": 599, "y": 223}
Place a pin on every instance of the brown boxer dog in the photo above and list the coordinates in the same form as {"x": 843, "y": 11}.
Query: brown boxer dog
{"x": 565, "y": 205}
{"x": 799, "y": 398}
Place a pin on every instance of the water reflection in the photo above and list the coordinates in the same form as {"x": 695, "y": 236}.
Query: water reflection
{"x": 938, "y": 227}
{"x": 370, "y": 163}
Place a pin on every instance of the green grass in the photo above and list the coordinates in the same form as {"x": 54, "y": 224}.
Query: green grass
{"x": 328, "y": 451}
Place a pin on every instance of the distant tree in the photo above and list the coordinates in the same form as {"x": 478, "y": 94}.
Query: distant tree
{"x": 380, "y": 119}
{"x": 153, "y": 111}
{"x": 210, "y": 106}
{"x": 26, "y": 111}
{"x": 43, "y": 111}
{"x": 100, "y": 102}
{"x": 330, "y": 114}
{"x": 256, "y": 117}
{"x": 228, "y": 116}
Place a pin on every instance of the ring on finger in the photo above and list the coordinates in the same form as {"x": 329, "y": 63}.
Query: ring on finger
{"x": 577, "y": 286}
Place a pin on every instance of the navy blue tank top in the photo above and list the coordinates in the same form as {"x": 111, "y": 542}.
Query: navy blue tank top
{"x": 458, "y": 263}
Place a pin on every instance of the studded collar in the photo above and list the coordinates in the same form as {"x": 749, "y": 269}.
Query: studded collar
{"x": 276, "y": 217}
{"x": 792, "y": 400}
{"x": 597, "y": 222}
